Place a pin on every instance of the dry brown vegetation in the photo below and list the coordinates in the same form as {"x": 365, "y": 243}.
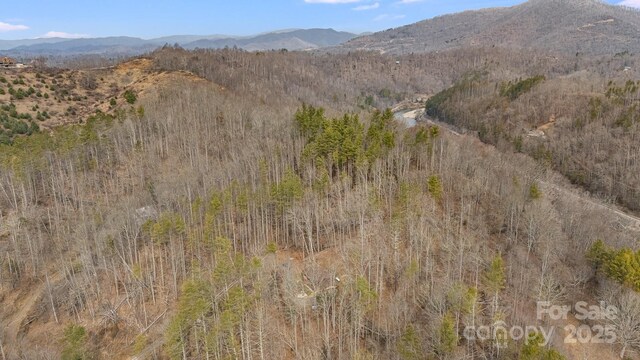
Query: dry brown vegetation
{"x": 592, "y": 27}
{"x": 587, "y": 122}
{"x": 43, "y": 98}
{"x": 208, "y": 223}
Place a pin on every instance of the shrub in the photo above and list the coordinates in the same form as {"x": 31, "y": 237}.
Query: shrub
{"x": 534, "y": 192}
{"x": 75, "y": 339}
{"x": 130, "y": 97}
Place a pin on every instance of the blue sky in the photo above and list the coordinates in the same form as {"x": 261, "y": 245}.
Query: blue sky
{"x": 154, "y": 18}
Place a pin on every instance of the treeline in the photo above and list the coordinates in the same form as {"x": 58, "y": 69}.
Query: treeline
{"x": 346, "y": 81}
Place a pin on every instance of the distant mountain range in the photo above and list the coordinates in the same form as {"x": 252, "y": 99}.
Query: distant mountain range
{"x": 295, "y": 39}
{"x": 291, "y": 40}
{"x": 590, "y": 27}
{"x": 571, "y": 26}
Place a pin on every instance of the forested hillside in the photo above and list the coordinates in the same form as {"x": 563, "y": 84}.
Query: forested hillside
{"x": 585, "y": 124}
{"x": 591, "y": 27}
{"x": 267, "y": 206}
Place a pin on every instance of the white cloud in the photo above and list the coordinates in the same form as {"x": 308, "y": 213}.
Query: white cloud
{"x": 388, "y": 17}
{"x": 64, "y": 35}
{"x": 4, "y": 27}
{"x": 631, "y": 3}
{"x": 409, "y": 1}
{"x": 331, "y": 1}
{"x": 367, "y": 7}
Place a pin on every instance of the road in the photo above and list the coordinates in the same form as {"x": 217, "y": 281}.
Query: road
{"x": 630, "y": 221}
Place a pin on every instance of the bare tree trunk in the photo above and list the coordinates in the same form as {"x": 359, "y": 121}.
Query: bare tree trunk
{"x": 53, "y": 306}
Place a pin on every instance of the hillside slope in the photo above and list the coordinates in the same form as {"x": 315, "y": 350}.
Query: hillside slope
{"x": 34, "y": 99}
{"x": 569, "y": 26}
{"x": 291, "y": 40}
{"x": 217, "y": 223}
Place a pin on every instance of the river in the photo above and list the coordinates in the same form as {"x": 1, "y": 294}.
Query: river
{"x": 408, "y": 118}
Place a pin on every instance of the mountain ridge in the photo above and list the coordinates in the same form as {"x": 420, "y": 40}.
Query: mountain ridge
{"x": 291, "y": 39}
{"x": 564, "y": 26}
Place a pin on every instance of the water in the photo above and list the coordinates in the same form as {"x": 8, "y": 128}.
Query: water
{"x": 408, "y": 118}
